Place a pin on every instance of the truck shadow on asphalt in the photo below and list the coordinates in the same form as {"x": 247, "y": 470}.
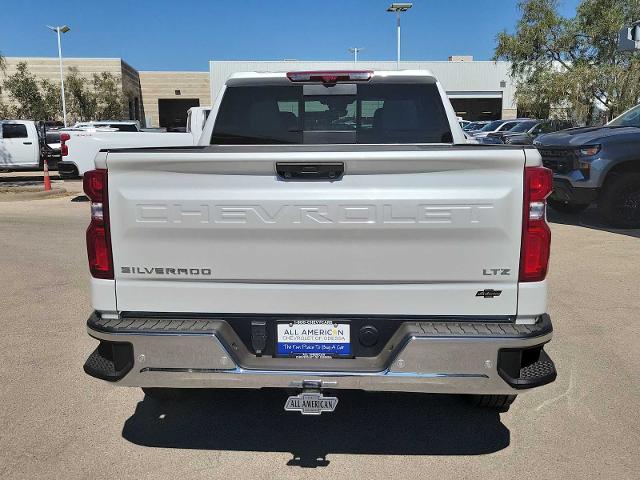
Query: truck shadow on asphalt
{"x": 588, "y": 219}
{"x": 363, "y": 423}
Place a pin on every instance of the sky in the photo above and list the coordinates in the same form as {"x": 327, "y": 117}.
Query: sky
{"x": 186, "y": 34}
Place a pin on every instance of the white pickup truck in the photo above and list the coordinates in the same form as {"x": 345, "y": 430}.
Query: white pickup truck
{"x": 81, "y": 143}
{"x": 19, "y": 145}
{"x": 332, "y": 230}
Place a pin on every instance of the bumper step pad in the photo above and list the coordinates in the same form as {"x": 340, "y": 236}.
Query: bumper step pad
{"x": 527, "y": 368}
{"x": 111, "y": 361}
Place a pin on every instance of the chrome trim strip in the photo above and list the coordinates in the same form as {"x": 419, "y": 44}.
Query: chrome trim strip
{"x": 240, "y": 371}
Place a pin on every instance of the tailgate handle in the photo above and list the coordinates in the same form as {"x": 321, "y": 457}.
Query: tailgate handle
{"x": 310, "y": 171}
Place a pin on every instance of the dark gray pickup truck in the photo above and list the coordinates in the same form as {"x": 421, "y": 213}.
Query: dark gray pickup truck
{"x": 597, "y": 164}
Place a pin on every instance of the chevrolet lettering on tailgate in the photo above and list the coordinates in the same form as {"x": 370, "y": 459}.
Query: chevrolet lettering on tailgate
{"x": 385, "y": 214}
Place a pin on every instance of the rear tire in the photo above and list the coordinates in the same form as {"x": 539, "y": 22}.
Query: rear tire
{"x": 620, "y": 200}
{"x": 166, "y": 394}
{"x": 566, "y": 207}
{"x": 496, "y": 402}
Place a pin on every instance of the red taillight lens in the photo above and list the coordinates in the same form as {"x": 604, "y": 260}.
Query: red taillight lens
{"x": 94, "y": 184}
{"x": 98, "y": 235}
{"x": 536, "y": 235}
{"x": 331, "y": 77}
{"x": 539, "y": 181}
{"x": 98, "y": 251}
{"x": 64, "y": 148}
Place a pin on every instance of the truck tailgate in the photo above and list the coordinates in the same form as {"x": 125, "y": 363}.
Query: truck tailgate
{"x": 408, "y": 230}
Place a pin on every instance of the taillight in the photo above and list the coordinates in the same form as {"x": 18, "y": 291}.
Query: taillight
{"x": 331, "y": 76}
{"x": 98, "y": 235}
{"x": 64, "y": 148}
{"x": 536, "y": 235}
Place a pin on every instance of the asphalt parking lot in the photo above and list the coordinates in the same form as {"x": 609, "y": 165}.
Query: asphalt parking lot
{"x": 56, "y": 422}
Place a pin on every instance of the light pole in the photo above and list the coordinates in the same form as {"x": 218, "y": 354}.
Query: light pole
{"x": 399, "y": 8}
{"x": 355, "y": 51}
{"x": 58, "y": 30}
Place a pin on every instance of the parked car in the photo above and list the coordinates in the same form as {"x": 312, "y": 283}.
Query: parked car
{"x": 516, "y": 128}
{"x": 475, "y": 126}
{"x": 524, "y": 133}
{"x": 333, "y": 230}
{"x": 597, "y": 164}
{"x": 19, "y": 145}
{"x": 497, "y": 126}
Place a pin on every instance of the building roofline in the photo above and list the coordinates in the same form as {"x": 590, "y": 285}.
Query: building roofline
{"x": 359, "y": 61}
{"x": 69, "y": 58}
{"x": 128, "y": 65}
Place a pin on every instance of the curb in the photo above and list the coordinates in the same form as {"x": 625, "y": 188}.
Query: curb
{"x": 14, "y": 194}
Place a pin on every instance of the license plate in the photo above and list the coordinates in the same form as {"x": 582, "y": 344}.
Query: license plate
{"x": 313, "y": 338}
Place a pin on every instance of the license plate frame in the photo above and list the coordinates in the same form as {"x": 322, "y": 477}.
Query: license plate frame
{"x": 290, "y": 341}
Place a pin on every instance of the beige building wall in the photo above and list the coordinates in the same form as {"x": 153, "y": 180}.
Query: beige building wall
{"x": 509, "y": 113}
{"x": 172, "y": 85}
{"x": 49, "y": 68}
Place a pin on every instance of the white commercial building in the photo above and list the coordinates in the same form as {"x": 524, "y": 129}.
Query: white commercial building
{"x": 478, "y": 90}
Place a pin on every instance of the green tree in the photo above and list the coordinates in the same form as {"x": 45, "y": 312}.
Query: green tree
{"x": 572, "y": 63}
{"x": 32, "y": 98}
{"x": 109, "y": 98}
{"x": 5, "y": 111}
{"x": 37, "y": 99}
{"x": 24, "y": 91}
{"x": 98, "y": 99}
{"x": 81, "y": 100}
{"x": 51, "y": 101}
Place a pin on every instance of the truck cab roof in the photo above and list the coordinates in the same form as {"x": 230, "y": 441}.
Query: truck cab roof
{"x": 424, "y": 75}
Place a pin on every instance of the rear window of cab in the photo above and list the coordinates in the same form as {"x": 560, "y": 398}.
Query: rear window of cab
{"x": 343, "y": 113}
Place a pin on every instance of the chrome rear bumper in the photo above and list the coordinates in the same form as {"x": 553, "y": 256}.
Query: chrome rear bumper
{"x": 431, "y": 357}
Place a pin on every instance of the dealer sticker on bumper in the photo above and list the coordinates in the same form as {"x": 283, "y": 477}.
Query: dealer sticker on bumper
{"x": 313, "y": 338}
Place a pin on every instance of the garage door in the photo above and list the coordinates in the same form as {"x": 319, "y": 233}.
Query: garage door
{"x": 172, "y": 112}
{"x": 477, "y": 105}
